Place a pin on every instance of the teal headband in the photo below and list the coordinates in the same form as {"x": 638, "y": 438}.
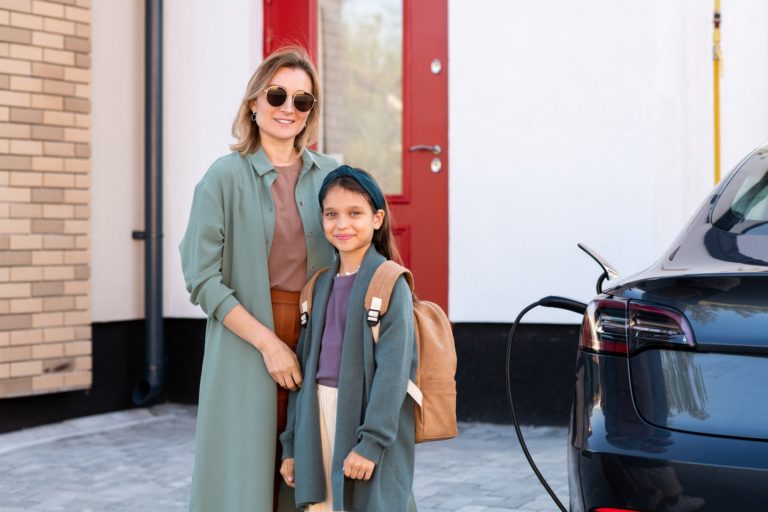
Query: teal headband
{"x": 361, "y": 177}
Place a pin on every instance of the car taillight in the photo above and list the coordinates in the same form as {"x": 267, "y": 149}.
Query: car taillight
{"x": 618, "y": 326}
{"x": 650, "y": 324}
{"x": 613, "y": 509}
{"x": 604, "y": 329}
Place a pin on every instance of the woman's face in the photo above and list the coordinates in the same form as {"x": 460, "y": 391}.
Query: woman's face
{"x": 283, "y": 122}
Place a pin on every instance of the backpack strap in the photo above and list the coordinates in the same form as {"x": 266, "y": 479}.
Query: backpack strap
{"x": 377, "y": 303}
{"x": 380, "y": 291}
{"x": 305, "y": 302}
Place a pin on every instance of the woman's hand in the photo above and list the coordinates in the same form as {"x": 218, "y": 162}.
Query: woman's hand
{"x": 287, "y": 470}
{"x": 282, "y": 363}
{"x": 358, "y": 467}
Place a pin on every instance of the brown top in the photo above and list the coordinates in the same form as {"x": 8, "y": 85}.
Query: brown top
{"x": 288, "y": 256}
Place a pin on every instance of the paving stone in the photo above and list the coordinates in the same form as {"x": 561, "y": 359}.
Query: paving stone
{"x": 141, "y": 459}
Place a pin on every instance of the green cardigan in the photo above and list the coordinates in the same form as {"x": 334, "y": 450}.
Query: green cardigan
{"x": 374, "y": 415}
{"x": 224, "y": 257}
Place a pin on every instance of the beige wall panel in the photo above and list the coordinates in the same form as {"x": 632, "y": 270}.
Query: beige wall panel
{"x": 117, "y": 106}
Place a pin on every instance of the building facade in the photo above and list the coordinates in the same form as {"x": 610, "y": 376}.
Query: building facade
{"x": 566, "y": 123}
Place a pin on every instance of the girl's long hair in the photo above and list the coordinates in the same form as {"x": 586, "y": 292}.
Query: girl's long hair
{"x": 383, "y": 238}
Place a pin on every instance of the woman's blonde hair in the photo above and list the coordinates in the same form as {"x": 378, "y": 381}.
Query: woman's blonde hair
{"x": 245, "y": 130}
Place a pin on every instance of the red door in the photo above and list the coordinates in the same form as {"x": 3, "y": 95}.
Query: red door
{"x": 383, "y": 64}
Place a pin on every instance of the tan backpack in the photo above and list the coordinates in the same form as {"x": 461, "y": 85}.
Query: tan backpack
{"x": 435, "y": 388}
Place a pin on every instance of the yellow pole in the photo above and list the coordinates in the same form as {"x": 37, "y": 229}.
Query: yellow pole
{"x": 716, "y": 58}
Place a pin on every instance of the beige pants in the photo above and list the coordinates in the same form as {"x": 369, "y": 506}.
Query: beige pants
{"x": 326, "y": 401}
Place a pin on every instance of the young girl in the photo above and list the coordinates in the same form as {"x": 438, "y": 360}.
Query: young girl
{"x": 349, "y": 442}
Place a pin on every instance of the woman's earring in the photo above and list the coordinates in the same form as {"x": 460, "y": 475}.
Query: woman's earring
{"x": 253, "y": 116}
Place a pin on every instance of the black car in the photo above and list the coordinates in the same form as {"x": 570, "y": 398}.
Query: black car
{"x": 671, "y": 403}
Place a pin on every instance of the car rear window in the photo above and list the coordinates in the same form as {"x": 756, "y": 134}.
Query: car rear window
{"x": 743, "y": 205}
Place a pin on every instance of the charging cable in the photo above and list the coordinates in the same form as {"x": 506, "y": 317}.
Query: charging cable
{"x": 547, "y": 302}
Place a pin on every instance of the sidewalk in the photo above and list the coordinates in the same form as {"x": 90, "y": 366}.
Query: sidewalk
{"x": 141, "y": 460}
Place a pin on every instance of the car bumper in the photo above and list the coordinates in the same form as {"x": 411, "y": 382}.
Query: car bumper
{"x": 618, "y": 460}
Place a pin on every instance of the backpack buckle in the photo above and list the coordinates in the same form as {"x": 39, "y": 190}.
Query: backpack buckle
{"x": 373, "y": 317}
{"x": 374, "y": 311}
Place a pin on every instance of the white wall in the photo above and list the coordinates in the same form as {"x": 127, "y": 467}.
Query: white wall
{"x": 745, "y": 101}
{"x": 568, "y": 123}
{"x": 117, "y": 150}
{"x": 588, "y": 121}
{"x": 211, "y": 50}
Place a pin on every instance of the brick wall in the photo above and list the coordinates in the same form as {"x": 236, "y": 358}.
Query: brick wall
{"x": 45, "y": 325}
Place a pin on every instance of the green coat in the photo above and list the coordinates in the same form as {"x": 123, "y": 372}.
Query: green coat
{"x": 374, "y": 415}
{"x": 224, "y": 257}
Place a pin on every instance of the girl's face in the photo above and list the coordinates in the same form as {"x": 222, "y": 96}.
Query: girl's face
{"x": 349, "y": 221}
{"x": 282, "y": 122}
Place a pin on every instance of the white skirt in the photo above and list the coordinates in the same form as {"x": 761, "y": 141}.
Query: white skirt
{"x": 326, "y": 401}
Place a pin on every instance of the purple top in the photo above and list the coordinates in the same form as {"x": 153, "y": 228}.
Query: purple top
{"x": 333, "y": 332}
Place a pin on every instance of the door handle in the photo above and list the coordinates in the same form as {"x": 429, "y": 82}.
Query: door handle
{"x": 436, "y": 149}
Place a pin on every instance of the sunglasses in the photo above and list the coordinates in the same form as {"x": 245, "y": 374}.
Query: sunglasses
{"x": 302, "y": 100}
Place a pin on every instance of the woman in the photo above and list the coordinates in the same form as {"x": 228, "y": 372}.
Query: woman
{"x": 253, "y": 239}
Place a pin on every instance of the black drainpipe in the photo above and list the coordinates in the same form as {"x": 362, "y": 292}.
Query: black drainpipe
{"x": 152, "y": 384}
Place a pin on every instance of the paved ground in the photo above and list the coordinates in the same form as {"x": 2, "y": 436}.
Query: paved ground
{"x": 141, "y": 460}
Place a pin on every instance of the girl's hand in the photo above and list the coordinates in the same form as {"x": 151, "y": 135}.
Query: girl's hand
{"x": 358, "y": 467}
{"x": 286, "y": 469}
{"x": 282, "y": 364}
